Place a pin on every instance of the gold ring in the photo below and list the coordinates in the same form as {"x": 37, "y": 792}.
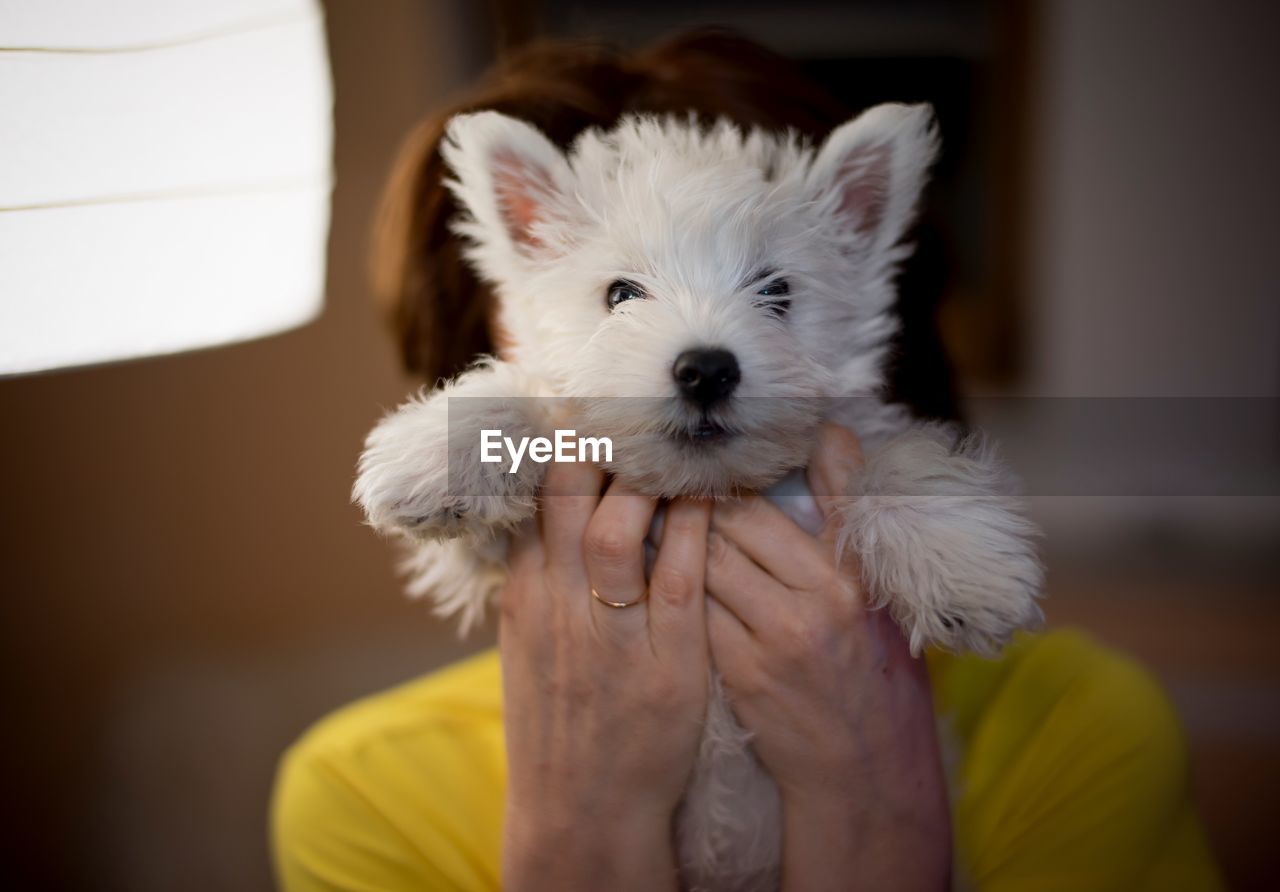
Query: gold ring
{"x": 606, "y": 602}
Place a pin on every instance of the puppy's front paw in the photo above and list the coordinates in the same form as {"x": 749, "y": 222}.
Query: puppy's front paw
{"x": 421, "y": 474}
{"x": 429, "y": 515}
{"x": 437, "y": 513}
{"x": 943, "y": 544}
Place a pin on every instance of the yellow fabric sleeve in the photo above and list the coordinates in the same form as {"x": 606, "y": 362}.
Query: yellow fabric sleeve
{"x": 403, "y": 790}
{"x": 1070, "y": 772}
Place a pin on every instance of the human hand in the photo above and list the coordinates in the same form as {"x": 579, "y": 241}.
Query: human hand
{"x": 842, "y": 714}
{"x": 603, "y": 705}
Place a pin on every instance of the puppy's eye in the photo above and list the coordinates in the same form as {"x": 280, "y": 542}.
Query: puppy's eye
{"x": 622, "y": 291}
{"x": 776, "y": 288}
{"x": 776, "y": 301}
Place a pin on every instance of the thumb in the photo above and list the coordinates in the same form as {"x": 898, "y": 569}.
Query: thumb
{"x": 835, "y": 459}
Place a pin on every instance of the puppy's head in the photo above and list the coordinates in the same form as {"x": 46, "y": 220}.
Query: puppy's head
{"x": 700, "y": 292}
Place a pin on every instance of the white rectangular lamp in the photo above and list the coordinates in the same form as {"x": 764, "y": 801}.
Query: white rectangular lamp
{"x": 165, "y": 170}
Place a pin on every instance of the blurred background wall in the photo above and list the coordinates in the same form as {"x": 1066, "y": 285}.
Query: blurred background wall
{"x": 186, "y": 586}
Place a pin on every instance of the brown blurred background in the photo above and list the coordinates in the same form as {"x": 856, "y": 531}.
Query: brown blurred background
{"x": 186, "y": 587}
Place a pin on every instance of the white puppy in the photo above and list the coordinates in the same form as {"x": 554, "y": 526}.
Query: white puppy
{"x": 704, "y": 298}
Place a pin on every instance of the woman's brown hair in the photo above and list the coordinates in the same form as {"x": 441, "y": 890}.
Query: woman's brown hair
{"x": 439, "y": 311}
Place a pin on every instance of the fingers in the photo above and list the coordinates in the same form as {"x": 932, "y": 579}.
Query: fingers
{"x": 569, "y": 497}
{"x": 740, "y": 585}
{"x": 730, "y": 642}
{"x": 677, "y": 617}
{"x": 524, "y": 551}
{"x": 771, "y": 539}
{"x": 519, "y": 627}
{"x": 836, "y": 458}
{"x": 614, "y": 548}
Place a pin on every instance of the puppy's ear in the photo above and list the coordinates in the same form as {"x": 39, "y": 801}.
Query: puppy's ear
{"x": 514, "y": 183}
{"x": 871, "y": 170}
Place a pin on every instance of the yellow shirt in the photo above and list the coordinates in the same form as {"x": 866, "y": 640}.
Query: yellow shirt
{"x": 1070, "y": 767}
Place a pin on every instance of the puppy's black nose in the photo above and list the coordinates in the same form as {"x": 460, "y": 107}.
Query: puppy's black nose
{"x": 706, "y": 376}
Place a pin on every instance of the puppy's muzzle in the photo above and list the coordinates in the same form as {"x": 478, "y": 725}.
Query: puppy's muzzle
{"x": 706, "y": 376}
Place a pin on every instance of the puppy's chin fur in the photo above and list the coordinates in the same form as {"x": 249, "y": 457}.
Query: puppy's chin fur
{"x": 675, "y": 466}
{"x": 662, "y": 448}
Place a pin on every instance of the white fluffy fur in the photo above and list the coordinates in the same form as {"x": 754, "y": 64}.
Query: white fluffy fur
{"x": 694, "y": 216}
{"x": 728, "y": 829}
{"x": 453, "y": 493}
{"x": 942, "y": 541}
